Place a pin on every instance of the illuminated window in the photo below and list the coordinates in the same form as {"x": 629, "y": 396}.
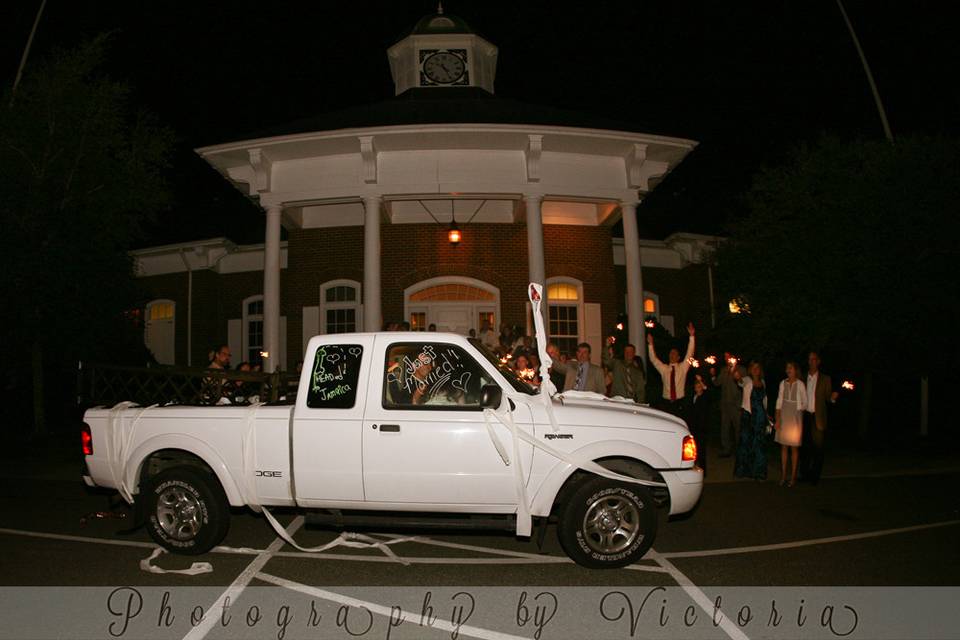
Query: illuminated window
{"x": 649, "y": 305}
{"x": 418, "y": 321}
{"x": 451, "y": 292}
{"x": 340, "y": 306}
{"x": 563, "y": 316}
{"x": 160, "y": 311}
{"x": 563, "y": 291}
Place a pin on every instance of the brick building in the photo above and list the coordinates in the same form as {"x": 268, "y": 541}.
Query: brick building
{"x": 372, "y": 198}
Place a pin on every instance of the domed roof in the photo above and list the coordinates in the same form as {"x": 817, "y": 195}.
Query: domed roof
{"x": 440, "y": 22}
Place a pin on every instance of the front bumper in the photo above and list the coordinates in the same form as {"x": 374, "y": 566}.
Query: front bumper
{"x": 685, "y": 486}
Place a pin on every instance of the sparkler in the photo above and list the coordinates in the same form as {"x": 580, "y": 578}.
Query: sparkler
{"x": 849, "y": 386}
{"x": 710, "y": 359}
{"x": 649, "y": 324}
{"x": 731, "y": 361}
{"x": 694, "y": 363}
{"x": 619, "y": 326}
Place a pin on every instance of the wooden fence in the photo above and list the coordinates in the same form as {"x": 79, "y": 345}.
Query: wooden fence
{"x": 104, "y": 384}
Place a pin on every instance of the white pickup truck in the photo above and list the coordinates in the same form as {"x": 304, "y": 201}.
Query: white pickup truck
{"x": 399, "y": 427}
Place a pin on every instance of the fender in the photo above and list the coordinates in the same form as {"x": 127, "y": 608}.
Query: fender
{"x": 192, "y": 445}
{"x": 542, "y": 502}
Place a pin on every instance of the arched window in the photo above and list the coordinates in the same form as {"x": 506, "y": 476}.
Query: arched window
{"x": 159, "y": 330}
{"x": 565, "y": 302}
{"x": 340, "y": 306}
{"x": 252, "y": 329}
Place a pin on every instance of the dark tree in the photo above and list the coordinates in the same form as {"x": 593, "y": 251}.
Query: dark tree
{"x": 851, "y": 246}
{"x": 81, "y": 173}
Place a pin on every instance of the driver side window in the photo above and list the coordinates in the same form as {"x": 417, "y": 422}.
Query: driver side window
{"x": 432, "y": 375}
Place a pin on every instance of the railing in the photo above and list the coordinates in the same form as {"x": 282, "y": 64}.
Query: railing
{"x": 105, "y": 384}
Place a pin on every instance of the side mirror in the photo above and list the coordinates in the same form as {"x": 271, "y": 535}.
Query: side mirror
{"x": 491, "y": 396}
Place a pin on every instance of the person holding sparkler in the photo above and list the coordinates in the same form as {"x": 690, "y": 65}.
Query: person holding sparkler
{"x": 729, "y": 401}
{"x": 791, "y": 406}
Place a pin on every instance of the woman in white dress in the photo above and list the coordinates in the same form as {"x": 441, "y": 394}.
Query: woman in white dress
{"x": 791, "y": 403}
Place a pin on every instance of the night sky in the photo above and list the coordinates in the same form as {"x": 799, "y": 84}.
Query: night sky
{"x": 749, "y": 80}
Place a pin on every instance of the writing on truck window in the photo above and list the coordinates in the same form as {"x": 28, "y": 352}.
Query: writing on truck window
{"x": 424, "y": 375}
{"x": 334, "y": 376}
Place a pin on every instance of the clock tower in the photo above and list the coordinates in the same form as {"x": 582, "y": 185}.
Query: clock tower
{"x": 442, "y": 51}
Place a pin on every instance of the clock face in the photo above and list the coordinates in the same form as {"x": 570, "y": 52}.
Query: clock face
{"x": 444, "y": 67}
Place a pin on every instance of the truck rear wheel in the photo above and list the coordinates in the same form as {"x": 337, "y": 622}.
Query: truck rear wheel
{"x": 187, "y": 511}
{"x": 607, "y": 524}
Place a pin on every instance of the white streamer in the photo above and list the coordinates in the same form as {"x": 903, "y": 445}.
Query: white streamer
{"x": 547, "y": 388}
{"x": 195, "y": 569}
{"x": 345, "y": 539}
{"x": 119, "y": 449}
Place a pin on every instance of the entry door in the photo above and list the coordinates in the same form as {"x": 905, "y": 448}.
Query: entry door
{"x": 433, "y": 447}
{"x": 453, "y": 319}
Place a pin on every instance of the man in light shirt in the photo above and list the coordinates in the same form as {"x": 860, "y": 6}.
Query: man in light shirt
{"x": 674, "y": 374}
{"x": 488, "y": 336}
{"x": 819, "y": 393}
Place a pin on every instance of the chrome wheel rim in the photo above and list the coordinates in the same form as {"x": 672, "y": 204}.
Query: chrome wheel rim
{"x": 178, "y": 513}
{"x": 611, "y": 524}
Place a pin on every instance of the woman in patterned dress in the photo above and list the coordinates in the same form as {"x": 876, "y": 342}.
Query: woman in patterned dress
{"x": 752, "y": 449}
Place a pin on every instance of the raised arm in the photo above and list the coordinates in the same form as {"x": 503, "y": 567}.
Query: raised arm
{"x": 652, "y": 354}
{"x": 691, "y": 343}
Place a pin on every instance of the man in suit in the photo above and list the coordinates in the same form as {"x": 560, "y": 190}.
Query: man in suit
{"x": 674, "y": 374}
{"x": 580, "y": 375}
{"x": 629, "y": 379}
{"x": 819, "y": 393}
{"x": 731, "y": 399}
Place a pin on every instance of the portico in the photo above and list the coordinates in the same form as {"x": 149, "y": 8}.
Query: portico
{"x": 446, "y": 150}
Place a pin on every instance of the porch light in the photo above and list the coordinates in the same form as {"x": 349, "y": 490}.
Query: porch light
{"x": 453, "y": 234}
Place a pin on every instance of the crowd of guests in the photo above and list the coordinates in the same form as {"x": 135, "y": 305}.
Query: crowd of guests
{"x": 798, "y": 421}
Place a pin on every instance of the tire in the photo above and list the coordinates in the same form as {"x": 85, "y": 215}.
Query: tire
{"x": 187, "y": 510}
{"x": 607, "y": 524}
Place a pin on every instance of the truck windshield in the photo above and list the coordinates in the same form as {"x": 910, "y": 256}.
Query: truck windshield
{"x": 515, "y": 381}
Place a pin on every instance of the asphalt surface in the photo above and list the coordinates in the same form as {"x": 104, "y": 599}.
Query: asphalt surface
{"x": 869, "y": 527}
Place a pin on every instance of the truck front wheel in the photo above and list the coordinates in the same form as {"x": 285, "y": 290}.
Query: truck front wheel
{"x": 607, "y": 524}
{"x": 187, "y": 511}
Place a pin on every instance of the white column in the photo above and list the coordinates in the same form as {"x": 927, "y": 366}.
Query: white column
{"x": 271, "y": 290}
{"x": 631, "y": 245}
{"x": 372, "y": 319}
{"x": 535, "y": 258}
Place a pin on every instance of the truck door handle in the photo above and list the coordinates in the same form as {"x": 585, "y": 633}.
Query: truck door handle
{"x": 390, "y": 428}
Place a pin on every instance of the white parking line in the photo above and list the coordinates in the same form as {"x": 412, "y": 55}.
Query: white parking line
{"x": 440, "y": 625}
{"x": 698, "y": 596}
{"x": 516, "y": 554}
{"x": 805, "y": 543}
{"x": 240, "y": 583}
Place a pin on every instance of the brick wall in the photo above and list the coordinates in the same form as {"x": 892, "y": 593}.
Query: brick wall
{"x": 493, "y": 253}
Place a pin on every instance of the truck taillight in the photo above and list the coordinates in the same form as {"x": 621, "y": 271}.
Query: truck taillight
{"x": 86, "y": 439}
{"x": 689, "y": 449}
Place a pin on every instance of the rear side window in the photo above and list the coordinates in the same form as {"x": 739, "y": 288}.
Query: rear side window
{"x": 333, "y": 379}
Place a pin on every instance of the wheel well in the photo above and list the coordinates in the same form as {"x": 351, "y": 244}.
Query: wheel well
{"x": 618, "y": 464}
{"x": 166, "y": 458}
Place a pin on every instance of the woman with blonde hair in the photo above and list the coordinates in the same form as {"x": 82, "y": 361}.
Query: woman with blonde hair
{"x": 791, "y": 403}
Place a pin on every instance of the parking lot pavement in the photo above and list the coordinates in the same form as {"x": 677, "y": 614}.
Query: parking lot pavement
{"x": 879, "y": 526}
